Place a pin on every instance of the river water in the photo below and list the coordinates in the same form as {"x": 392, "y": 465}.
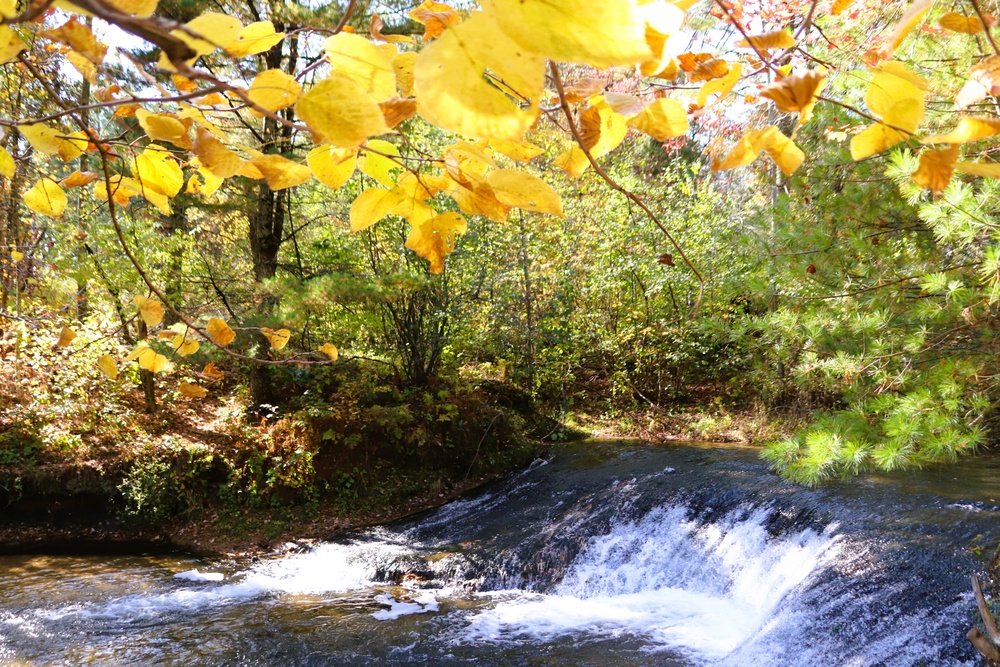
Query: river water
{"x": 602, "y": 554}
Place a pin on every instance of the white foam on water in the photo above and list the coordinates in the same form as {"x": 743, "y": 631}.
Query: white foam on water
{"x": 421, "y": 604}
{"x": 699, "y": 589}
{"x": 198, "y": 575}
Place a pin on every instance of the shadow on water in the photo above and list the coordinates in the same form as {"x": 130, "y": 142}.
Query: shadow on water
{"x": 605, "y": 554}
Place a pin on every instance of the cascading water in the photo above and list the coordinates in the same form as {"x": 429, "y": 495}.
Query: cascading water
{"x": 607, "y": 555}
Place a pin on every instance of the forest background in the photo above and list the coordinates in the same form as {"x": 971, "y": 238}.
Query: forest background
{"x": 305, "y": 259}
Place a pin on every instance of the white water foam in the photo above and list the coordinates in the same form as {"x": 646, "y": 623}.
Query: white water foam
{"x": 420, "y": 604}
{"x": 699, "y": 589}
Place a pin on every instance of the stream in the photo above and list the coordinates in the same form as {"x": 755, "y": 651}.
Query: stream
{"x": 601, "y": 554}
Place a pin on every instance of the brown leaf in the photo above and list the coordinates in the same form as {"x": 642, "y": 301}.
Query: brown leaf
{"x": 936, "y": 168}
{"x": 79, "y": 178}
{"x": 398, "y": 109}
{"x": 436, "y": 17}
{"x": 797, "y": 93}
{"x": 710, "y": 69}
{"x": 690, "y": 61}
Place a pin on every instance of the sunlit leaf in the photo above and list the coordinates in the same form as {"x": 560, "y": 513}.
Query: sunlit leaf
{"x": 191, "y": 390}
{"x": 936, "y": 168}
{"x": 519, "y": 151}
{"x": 107, "y": 365}
{"x": 274, "y": 90}
{"x": 970, "y": 25}
{"x": 984, "y": 80}
{"x": 255, "y": 38}
{"x": 610, "y": 32}
{"x": 214, "y": 155}
{"x": 72, "y": 146}
{"x": 214, "y": 29}
{"x": 222, "y": 334}
{"x": 574, "y": 162}
{"x": 602, "y": 129}
{"x": 10, "y": 43}
{"x": 371, "y": 206}
{"x": 797, "y": 93}
{"x": 210, "y": 371}
{"x": 42, "y": 138}
{"x": 46, "y": 197}
{"x": 7, "y": 164}
{"x": 150, "y": 310}
{"x": 78, "y": 37}
{"x": 769, "y": 140}
{"x": 332, "y": 166}
{"x": 517, "y": 188}
{"x": 397, "y": 109}
{"x": 330, "y": 350}
{"x": 140, "y": 8}
{"x": 280, "y": 172}
{"x": 875, "y": 139}
{"x": 720, "y": 87}
{"x": 911, "y": 19}
{"x": 278, "y": 339}
{"x": 338, "y": 111}
{"x": 66, "y": 337}
{"x": 453, "y": 91}
{"x": 434, "y": 239}
{"x": 435, "y": 17}
{"x": 969, "y": 128}
{"x": 986, "y": 169}
{"x": 164, "y": 127}
{"x": 184, "y": 346}
{"x": 403, "y": 65}
{"x": 776, "y": 39}
{"x": 663, "y": 119}
{"x": 357, "y": 59}
{"x": 155, "y": 170}
{"x": 79, "y": 178}
{"x": 376, "y": 161}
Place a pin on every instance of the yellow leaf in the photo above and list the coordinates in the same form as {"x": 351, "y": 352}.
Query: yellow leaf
{"x": 66, "y": 337}
{"x": 207, "y": 186}
{"x": 222, "y": 334}
{"x": 371, "y": 206}
{"x": 192, "y": 390}
{"x": 663, "y": 119}
{"x": 16, "y": 256}
{"x": 152, "y": 361}
{"x": 122, "y": 189}
{"x": 46, "y": 197}
{"x": 11, "y": 43}
{"x": 776, "y": 39}
{"x": 663, "y": 35}
{"x": 184, "y": 345}
{"x": 281, "y": 173}
{"x": 839, "y": 6}
{"x": 480, "y": 200}
{"x": 519, "y": 151}
{"x": 602, "y": 34}
{"x": 987, "y": 169}
{"x": 375, "y": 161}
{"x": 214, "y": 155}
{"x": 396, "y": 110}
{"x": 255, "y": 38}
{"x": 274, "y": 90}
{"x": 970, "y": 128}
{"x": 797, "y": 93}
{"x": 875, "y": 139}
{"x": 453, "y": 92}
{"x": 73, "y": 146}
{"x": 210, "y": 371}
{"x": 330, "y": 350}
{"x": 7, "y": 165}
{"x": 8, "y": 8}
{"x": 403, "y": 65}
{"x": 156, "y": 171}
{"x": 107, "y": 365}
{"x": 79, "y": 179}
{"x": 164, "y": 127}
{"x": 708, "y": 70}
{"x": 911, "y": 18}
{"x": 214, "y": 30}
{"x": 520, "y": 189}
{"x": 435, "y": 238}
{"x": 78, "y": 37}
{"x": 602, "y": 129}
{"x": 141, "y": 8}
{"x": 435, "y": 17}
{"x": 150, "y": 310}
{"x": 769, "y": 140}
{"x": 332, "y": 166}
{"x": 42, "y": 138}
{"x": 897, "y": 95}
{"x": 278, "y": 339}
{"x": 338, "y": 111}
{"x": 970, "y": 25}
{"x": 720, "y": 87}
{"x": 80, "y": 63}
{"x": 936, "y": 168}
{"x": 574, "y": 162}
{"x": 359, "y": 60}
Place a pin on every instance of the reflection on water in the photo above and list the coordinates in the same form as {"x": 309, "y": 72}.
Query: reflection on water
{"x": 610, "y": 554}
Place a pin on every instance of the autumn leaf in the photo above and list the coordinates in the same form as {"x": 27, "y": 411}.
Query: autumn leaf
{"x": 148, "y": 358}
{"x": 274, "y": 90}
{"x": 280, "y": 172}
{"x": 969, "y": 128}
{"x": 78, "y": 37}
{"x": 574, "y": 162}
{"x": 46, "y": 197}
{"x": 180, "y": 341}
{"x": 7, "y": 165}
{"x": 984, "y": 80}
{"x": 122, "y": 189}
{"x": 150, "y": 310}
{"x": 332, "y": 166}
{"x": 66, "y": 337}
{"x": 191, "y": 390}
{"x": 255, "y": 38}
{"x": 970, "y": 25}
{"x": 911, "y": 18}
{"x": 157, "y": 172}
{"x": 397, "y": 109}
{"x": 986, "y": 169}
{"x": 519, "y": 151}
{"x": 210, "y": 371}
{"x": 361, "y": 61}
{"x": 897, "y": 96}
{"x": 371, "y": 206}
{"x": 338, "y": 111}
{"x": 375, "y": 27}
{"x": 221, "y": 333}
{"x": 107, "y": 365}
{"x": 720, "y": 87}
{"x": 164, "y": 127}
{"x": 517, "y": 188}
{"x": 708, "y": 70}
{"x": 663, "y": 119}
{"x": 215, "y": 30}
{"x": 436, "y": 17}
{"x": 936, "y": 168}
{"x": 769, "y": 140}
{"x": 11, "y": 43}
{"x": 330, "y": 350}
{"x": 79, "y": 178}
{"x": 214, "y": 155}
{"x": 278, "y": 339}
{"x": 376, "y": 161}
{"x": 42, "y": 138}
{"x": 796, "y": 93}
{"x": 434, "y": 239}
{"x": 403, "y": 65}
{"x": 602, "y": 129}
{"x": 452, "y": 88}
{"x": 72, "y": 146}
{"x": 776, "y": 39}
